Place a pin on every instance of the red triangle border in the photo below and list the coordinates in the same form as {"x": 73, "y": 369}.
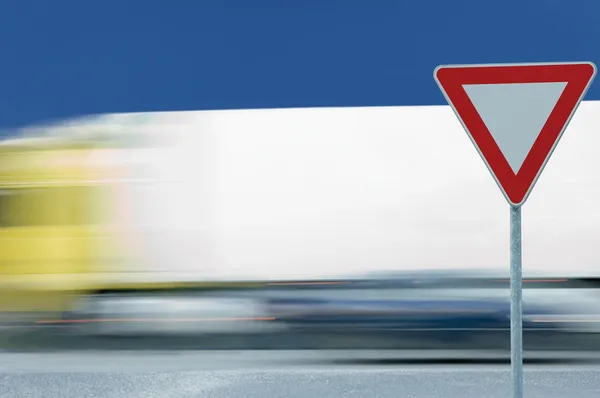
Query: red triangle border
{"x": 578, "y": 77}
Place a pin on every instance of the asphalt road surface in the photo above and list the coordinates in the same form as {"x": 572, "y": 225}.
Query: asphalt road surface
{"x": 293, "y": 374}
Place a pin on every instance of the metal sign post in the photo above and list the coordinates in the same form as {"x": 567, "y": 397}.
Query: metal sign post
{"x": 515, "y": 146}
{"x": 516, "y": 303}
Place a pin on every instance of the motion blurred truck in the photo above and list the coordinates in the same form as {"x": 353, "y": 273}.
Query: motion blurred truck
{"x": 128, "y": 205}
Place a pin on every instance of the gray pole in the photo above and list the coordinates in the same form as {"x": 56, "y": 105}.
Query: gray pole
{"x": 516, "y": 303}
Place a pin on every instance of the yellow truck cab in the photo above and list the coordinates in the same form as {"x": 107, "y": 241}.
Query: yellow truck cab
{"x": 50, "y": 221}
{"x": 62, "y": 234}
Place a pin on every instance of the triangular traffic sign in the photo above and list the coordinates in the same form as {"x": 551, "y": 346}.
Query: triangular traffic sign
{"x": 515, "y": 114}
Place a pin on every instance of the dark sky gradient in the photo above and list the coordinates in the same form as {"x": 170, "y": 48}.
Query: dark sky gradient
{"x": 66, "y": 58}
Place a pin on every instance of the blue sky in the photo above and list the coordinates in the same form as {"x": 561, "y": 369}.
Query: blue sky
{"x": 66, "y": 58}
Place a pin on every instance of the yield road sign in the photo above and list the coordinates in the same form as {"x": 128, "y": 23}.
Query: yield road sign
{"x": 515, "y": 114}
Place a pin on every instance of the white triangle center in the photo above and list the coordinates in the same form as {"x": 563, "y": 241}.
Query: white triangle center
{"x": 515, "y": 114}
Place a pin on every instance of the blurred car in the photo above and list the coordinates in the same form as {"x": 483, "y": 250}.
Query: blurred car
{"x": 436, "y": 312}
{"x": 165, "y": 313}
